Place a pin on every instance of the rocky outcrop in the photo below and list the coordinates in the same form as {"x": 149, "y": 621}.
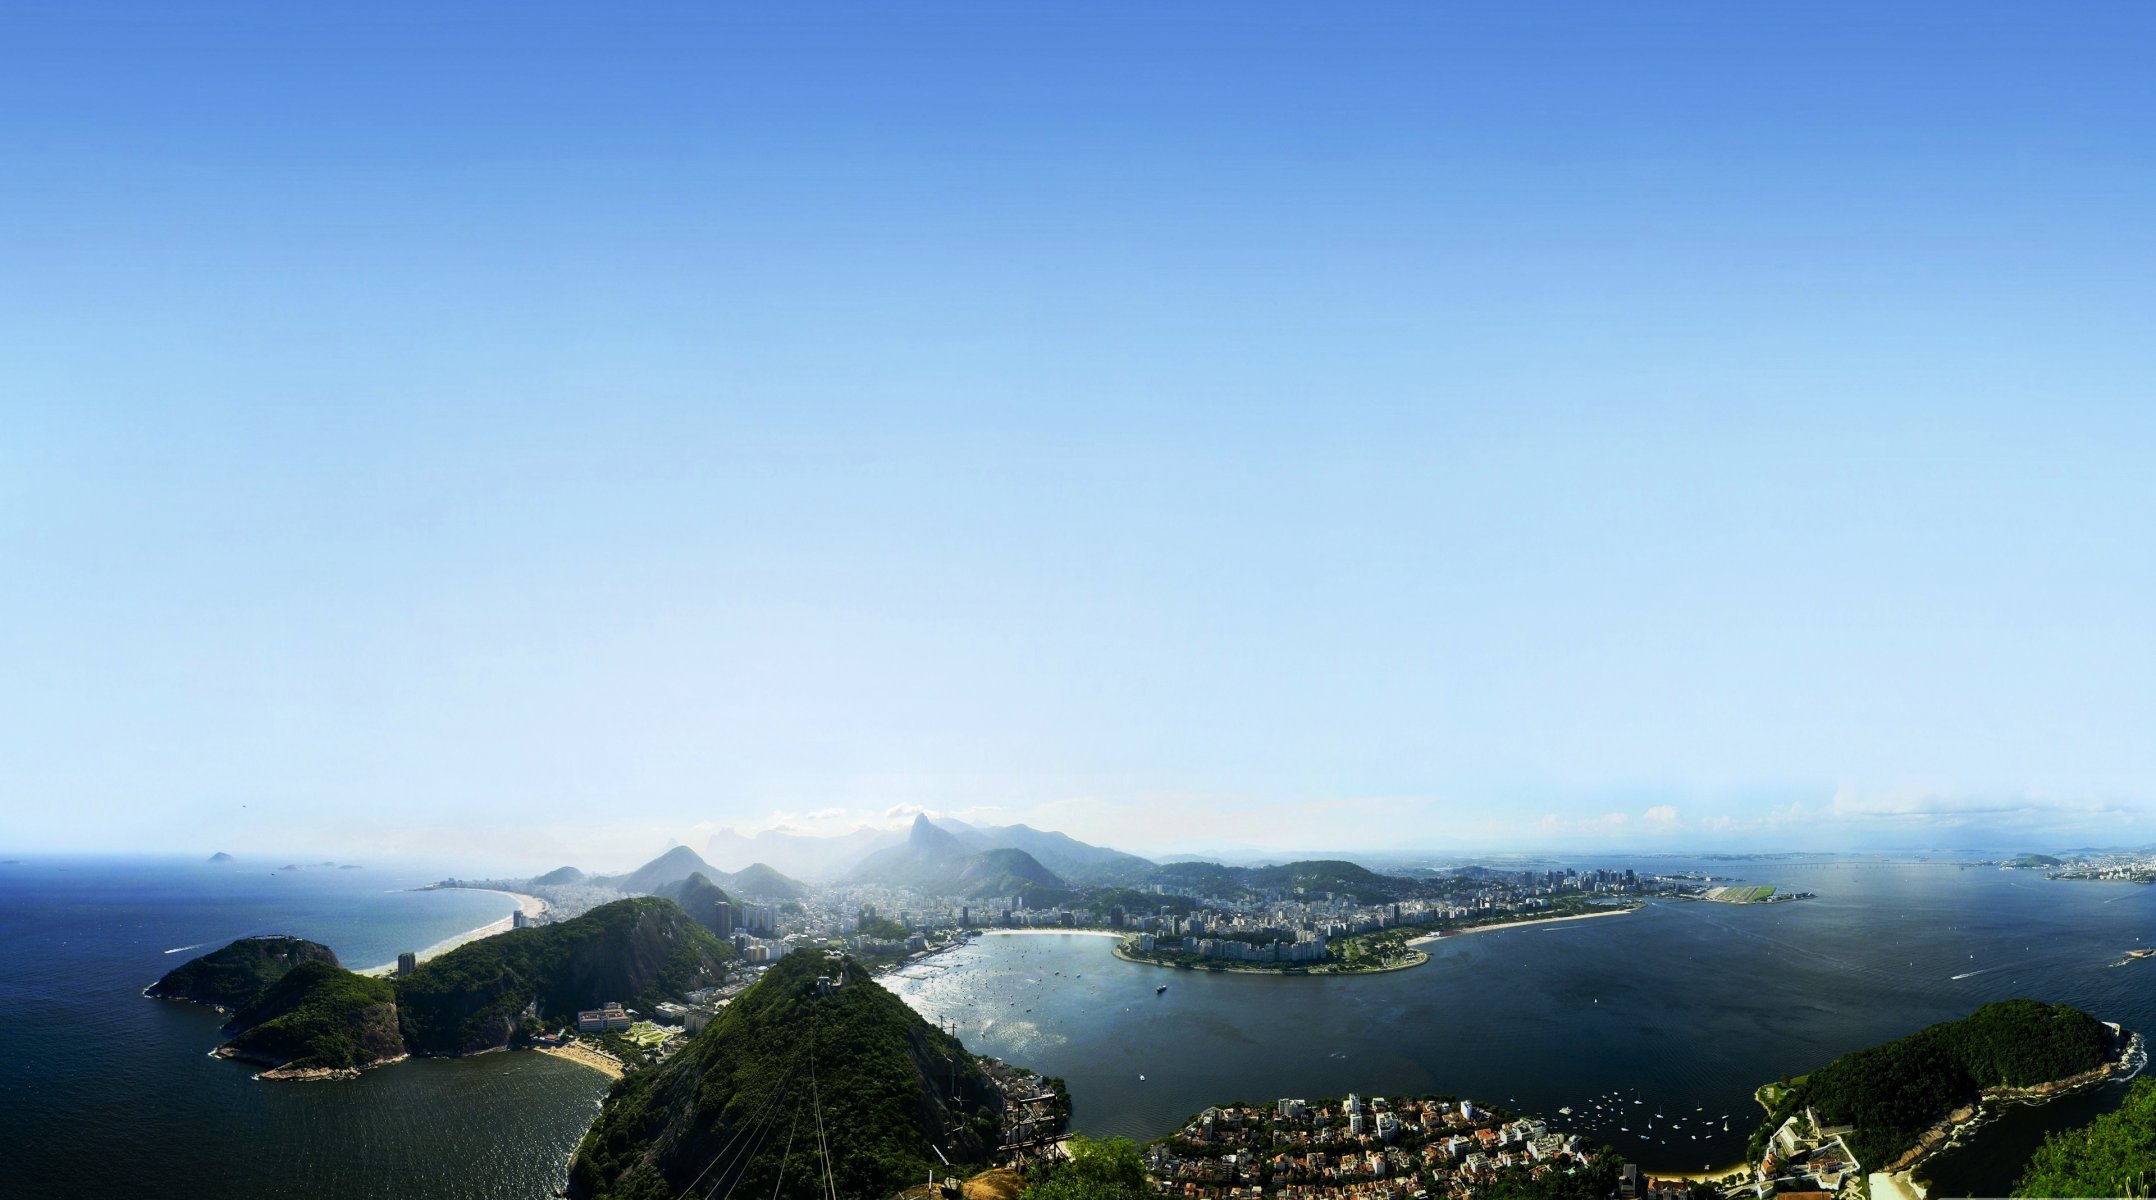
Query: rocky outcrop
{"x": 237, "y": 975}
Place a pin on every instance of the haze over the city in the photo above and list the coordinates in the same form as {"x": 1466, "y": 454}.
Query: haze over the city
{"x": 1468, "y": 430}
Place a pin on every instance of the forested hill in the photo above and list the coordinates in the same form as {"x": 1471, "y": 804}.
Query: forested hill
{"x": 1311, "y": 878}
{"x": 2114, "y": 1155}
{"x": 1892, "y": 1093}
{"x": 237, "y": 975}
{"x": 739, "y": 1105}
{"x": 637, "y": 951}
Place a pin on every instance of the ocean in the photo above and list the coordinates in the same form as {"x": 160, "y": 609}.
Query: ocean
{"x": 1672, "y": 1014}
{"x": 106, "y": 1093}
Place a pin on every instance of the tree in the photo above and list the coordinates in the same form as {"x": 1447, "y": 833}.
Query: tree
{"x": 2114, "y": 1155}
{"x": 1110, "y": 1170}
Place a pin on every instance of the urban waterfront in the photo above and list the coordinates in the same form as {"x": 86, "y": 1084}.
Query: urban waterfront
{"x": 1682, "y": 1006}
{"x": 1671, "y": 1014}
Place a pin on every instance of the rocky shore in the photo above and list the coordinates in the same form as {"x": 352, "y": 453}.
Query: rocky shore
{"x": 1968, "y": 1119}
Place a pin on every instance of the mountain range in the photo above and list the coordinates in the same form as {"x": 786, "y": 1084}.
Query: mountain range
{"x": 840, "y": 856}
{"x": 756, "y": 881}
{"x": 935, "y": 859}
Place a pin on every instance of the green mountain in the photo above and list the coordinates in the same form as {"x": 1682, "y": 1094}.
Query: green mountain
{"x": 1077, "y": 862}
{"x": 1892, "y": 1093}
{"x": 638, "y": 951}
{"x": 1005, "y": 873}
{"x": 764, "y": 883}
{"x": 741, "y": 1104}
{"x": 2114, "y": 1155}
{"x": 237, "y": 975}
{"x": 319, "y": 1016}
{"x": 676, "y": 864}
{"x": 558, "y": 876}
{"x": 1310, "y": 877}
{"x": 703, "y": 900}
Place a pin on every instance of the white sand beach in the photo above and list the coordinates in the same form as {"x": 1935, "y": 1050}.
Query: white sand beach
{"x": 531, "y": 906}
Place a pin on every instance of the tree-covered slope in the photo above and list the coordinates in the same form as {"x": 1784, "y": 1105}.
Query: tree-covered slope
{"x": 701, "y": 899}
{"x": 1004, "y": 873}
{"x": 1892, "y": 1093}
{"x": 1311, "y": 877}
{"x": 638, "y": 951}
{"x": 319, "y": 1015}
{"x": 739, "y": 1105}
{"x": 676, "y": 864}
{"x": 237, "y": 975}
{"x": 2114, "y": 1155}
{"x": 764, "y": 883}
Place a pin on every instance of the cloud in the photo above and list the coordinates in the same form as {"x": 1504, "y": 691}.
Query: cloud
{"x": 1661, "y": 814}
{"x": 1911, "y": 807}
{"x": 901, "y": 812}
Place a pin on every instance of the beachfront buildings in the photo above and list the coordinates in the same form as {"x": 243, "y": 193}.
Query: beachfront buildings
{"x": 610, "y": 1015}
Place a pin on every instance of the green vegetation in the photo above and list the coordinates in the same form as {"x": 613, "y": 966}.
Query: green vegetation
{"x": 1110, "y": 1170}
{"x": 884, "y": 929}
{"x": 889, "y": 1085}
{"x": 762, "y": 882}
{"x": 238, "y": 975}
{"x": 1892, "y": 1093}
{"x": 2038, "y": 860}
{"x": 638, "y": 951}
{"x": 1308, "y": 878}
{"x": 1593, "y": 1182}
{"x": 2114, "y": 1155}
{"x": 677, "y": 863}
{"x": 1378, "y": 950}
{"x": 319, "y": 1015}
{"x": 558, "y": 877}
{"x": 701, "y": 899}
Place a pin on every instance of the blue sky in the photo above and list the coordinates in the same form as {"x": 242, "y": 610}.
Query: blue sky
{"x": 1503, "y": 426}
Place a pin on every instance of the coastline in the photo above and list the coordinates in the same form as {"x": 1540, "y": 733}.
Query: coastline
{"x": 1421, "y": 958}
{"x": 1715, "y": 1175}
{"x": 1106, "y": 933}
{"x": 577, "y": 1052}
{"x": 1906, "y": 1172}
{"x": 1428, "y": 938}
{"x": 530, "y": 906}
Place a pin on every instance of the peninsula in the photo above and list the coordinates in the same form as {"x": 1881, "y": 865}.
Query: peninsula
{"x": 302, "y": 1015}
{"x": 1884, "y": 1111}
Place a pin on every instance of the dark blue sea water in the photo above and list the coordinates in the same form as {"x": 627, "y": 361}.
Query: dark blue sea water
{"x": 105, "y": 1093}
{"x": 1684, "y": 1007}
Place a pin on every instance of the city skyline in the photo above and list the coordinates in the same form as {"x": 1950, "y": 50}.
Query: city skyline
{"x": 509, "y": 432}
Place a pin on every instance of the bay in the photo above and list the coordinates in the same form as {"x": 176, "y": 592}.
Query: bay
{"x": 1670, "y": 1015}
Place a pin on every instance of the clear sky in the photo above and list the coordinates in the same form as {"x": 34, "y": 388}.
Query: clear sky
{"x": 1531, "y": 425}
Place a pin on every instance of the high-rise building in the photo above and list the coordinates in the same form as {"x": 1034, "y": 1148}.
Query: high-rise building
{"x": 407, "y": 963}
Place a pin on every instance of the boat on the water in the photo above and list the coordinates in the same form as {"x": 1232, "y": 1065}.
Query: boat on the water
{"x": 1162, "y": 988}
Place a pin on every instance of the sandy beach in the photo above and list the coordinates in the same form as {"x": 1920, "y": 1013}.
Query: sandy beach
{"x": 531, "y": 906}
{"x": 605, "y": 1064}
{"x": 1428, "y": 938}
